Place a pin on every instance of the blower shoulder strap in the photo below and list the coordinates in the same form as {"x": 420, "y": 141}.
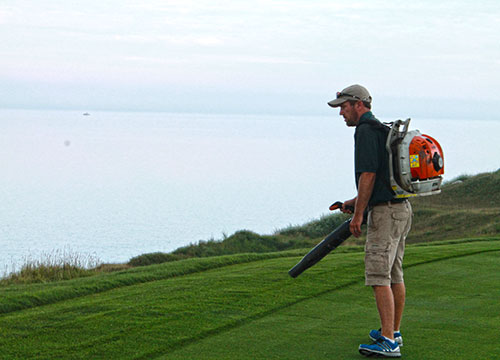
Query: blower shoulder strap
{"x": 386, "y": 128}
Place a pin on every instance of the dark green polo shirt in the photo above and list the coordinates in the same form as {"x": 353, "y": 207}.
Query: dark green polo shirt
{"x": 370, "y": 155}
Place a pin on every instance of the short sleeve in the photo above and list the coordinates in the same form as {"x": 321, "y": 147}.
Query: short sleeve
{"x": 366, "y": 154}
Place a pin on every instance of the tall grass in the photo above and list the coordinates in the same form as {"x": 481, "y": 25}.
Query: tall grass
{"x": 54, "y": 266}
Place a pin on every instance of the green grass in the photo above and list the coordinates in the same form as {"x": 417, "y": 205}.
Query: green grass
{"x": 442, "y": 314}
{"x": 247, "y": 307}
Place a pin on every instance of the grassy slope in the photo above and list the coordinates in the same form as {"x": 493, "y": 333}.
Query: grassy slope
{"x": 252, "y": 309}
{"x": 468, "y": 208}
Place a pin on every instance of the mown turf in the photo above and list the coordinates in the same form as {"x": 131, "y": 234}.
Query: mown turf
{"x": 452, "y": 313}
{"x": 253, "y": 310}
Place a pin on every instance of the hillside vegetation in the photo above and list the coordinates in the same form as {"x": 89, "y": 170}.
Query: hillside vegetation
{"x": 468, "y": 206}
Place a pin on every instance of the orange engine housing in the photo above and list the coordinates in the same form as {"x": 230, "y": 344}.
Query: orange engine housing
{"x": 426, "y": 158}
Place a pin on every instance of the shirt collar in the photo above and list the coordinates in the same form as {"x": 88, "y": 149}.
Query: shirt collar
{"x": 366, "y": 116}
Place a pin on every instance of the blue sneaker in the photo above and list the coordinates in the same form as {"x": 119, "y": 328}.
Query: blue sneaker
{"x": 376, "y": 334}
{"x": 382, "y": 348}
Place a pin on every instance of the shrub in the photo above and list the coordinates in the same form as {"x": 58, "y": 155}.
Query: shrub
{"x": 154, "y": 258}
{"x": 317, "y": 228}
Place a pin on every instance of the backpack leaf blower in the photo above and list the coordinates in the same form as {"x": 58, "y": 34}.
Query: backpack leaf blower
{"x": 417, "y": 168}
{"x": 417, "y": 161}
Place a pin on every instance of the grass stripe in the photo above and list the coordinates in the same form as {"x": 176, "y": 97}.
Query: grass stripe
{"x": 21, "y": 297}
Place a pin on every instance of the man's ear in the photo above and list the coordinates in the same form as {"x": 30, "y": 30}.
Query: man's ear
{"x": 357, "y": 106}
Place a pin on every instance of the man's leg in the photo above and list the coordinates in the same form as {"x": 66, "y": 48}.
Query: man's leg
{"x": 399, "y": 293}
{"x": 386, "y": 309}
{"x": 390, "y": 310}
{"x": 385, "y": 345}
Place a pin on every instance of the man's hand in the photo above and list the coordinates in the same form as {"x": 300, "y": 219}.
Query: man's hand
{"x": 348, "y": 205}
{"x": 365, "y": 188}
{"x": 355, "y": 226}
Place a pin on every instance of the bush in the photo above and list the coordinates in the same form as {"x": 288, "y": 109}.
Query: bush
{"x": 154, "y": 258}
{"x": 243, "y": 241}
{"x": 317, "y": 228}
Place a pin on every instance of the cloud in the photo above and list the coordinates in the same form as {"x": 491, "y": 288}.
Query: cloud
{"x": 266, "y": 60}
{"x": 397, "y": 46}
{"x": 6, "y": 13}
{"x": 227, "y": 59}
{"x": 202, "y": 40}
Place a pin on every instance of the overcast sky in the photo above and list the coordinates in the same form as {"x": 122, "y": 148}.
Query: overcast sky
{"x": 435, "y": 58}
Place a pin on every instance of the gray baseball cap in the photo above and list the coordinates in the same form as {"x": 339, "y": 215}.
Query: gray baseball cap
{"x": 353, "y": 92}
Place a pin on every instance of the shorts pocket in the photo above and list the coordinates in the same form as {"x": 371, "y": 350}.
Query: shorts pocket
{"x": 401, "y": 216}
{"x": 377, "y": 261}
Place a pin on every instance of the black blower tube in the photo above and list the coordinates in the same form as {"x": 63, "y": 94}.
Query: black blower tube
{"x": 334, "y": 239}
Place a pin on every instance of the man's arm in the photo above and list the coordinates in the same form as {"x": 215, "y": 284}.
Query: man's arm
{"x": 365, "y": 188}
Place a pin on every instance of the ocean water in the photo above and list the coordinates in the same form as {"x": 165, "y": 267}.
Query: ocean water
{"x": 115, "y": 185}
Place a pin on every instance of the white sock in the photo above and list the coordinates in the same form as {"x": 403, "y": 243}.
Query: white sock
{"x": 392, "y": 341}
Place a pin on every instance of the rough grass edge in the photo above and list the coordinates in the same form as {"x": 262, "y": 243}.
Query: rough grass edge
{"x": 20, "y": 297}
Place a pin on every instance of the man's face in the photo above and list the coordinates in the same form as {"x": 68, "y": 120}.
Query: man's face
{"x": 349, "y": 113}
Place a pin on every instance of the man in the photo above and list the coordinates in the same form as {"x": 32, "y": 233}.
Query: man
{"x": 389, "y": 219}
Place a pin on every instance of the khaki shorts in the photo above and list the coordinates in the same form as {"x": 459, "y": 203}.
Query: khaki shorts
{"x": 388, "y": 226}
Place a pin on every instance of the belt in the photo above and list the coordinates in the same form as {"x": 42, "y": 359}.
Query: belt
{"x": 390, "y": 202}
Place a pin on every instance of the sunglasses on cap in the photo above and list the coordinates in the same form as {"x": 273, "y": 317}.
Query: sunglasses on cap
{"x": 340, "y": 94}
